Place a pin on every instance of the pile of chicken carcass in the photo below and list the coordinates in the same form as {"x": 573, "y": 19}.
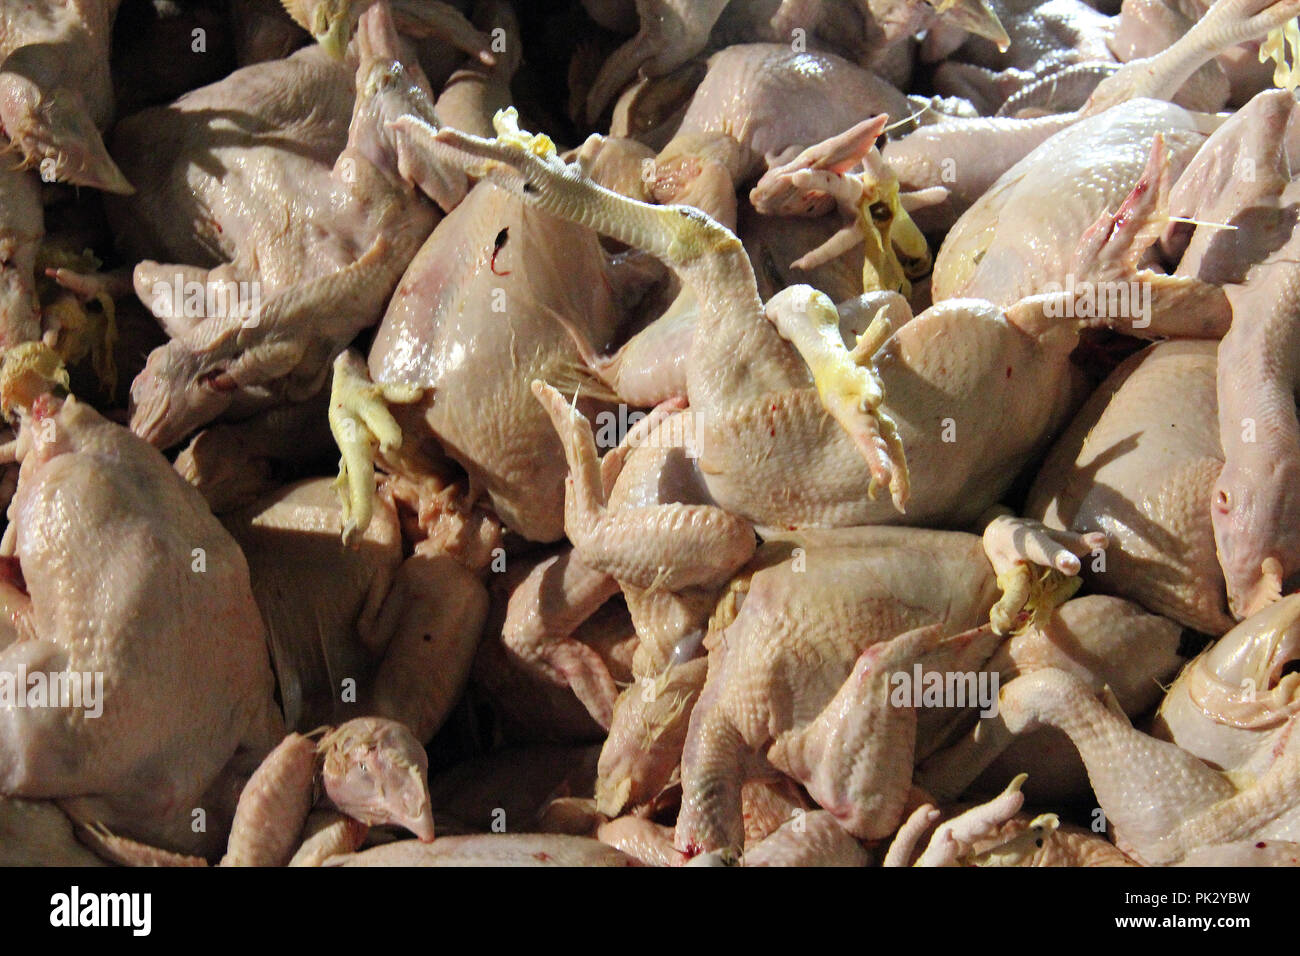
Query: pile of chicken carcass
{"x": 876, "y": 445}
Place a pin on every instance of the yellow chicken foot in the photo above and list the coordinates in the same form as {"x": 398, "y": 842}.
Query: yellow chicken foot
{"x": 26, "y": 373}
{"x": 896, "y": 251}
{"x": 849, "y": 388}
{"x": 1037, "y": 568}
{"x": 361, "y": 423}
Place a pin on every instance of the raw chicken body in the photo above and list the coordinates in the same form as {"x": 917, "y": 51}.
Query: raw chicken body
{"x": 674, "y": 31}
{"x": 129, "y": 577}
{"x": 1164, "y": 801}
{"x": 55, "y": 90}
{"x": 310, "y": 275}
{"x": 1011, "y": 244}
{"x": 760, "y": 406}
{"x": 371, "y": 769}
{"x": 1046, "y": 39}
{"x": 1105, "y": 642}
{"x": 466, "y": 295}
{"x": 1145, "y": 27}
{"x": 494, "y": 299}
{"x": 760, "y": 100}
{"x": 1256, "y": 499}
{"x": 968, "y": 157}
{"x": 291, "y": 540}
{"x": 55, "y": 97}
{"x": 642, "y": 519}
{"x": 492, "y": 849}
{"x": 1235, "y": 705}
{"x": 1139, "y": 463}
{"x": 22, "y": 227}
{"x": 801, "y": 674}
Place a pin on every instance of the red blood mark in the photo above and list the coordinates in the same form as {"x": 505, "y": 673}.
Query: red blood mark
{"x": 44, "y": 406}
{"x": 218, "y": 380}
{"x": 772, "y": 423}
{"x": 1260, "y": 845}
{"x": 692, "y": 850}
{"x": 1008, "y": 371}
{"x": 542, "y": 857}
{"x": 497, "y": 245}
{"x": 11, "y": 573}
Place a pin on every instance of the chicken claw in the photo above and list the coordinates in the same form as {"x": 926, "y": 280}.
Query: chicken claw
{"x": 849, "y": 387}
{"x": 1282, "y": 46}
{"x": 896, "y": 251}
{"x": 1017, "y": 548}
{"x": 953, "y": 841}
{"x": 360, "y": 422}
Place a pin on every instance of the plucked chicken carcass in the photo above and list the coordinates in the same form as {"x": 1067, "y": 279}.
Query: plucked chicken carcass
{"x": 843, "y": 433}
{"x": 121, "y": 576}
{"x": 292, "y": 295}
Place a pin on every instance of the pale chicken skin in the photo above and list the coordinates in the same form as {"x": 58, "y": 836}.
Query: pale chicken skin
{"x": 291, "y": 540}
{"x": 796, "y": 663}
{"x": 861, "y": 321}
{"x": 490, "y": 849}
{"x": 303, "y": 280}
{"x": 1141, "y": 466}
{"x": 1009, "y": 244}
{"x": 56, "y": 95}
{"x": 1164, "y": 800}
{"x": 1046, "y": 39}
{"x": 969, "y": 156}
{"x": 762, "y": 407}
{"x": 646, "y": 523}
{"x": 129, "y": 576}
{"x": 1256, "y": 506}
{"x": 1104, "y": 641}
{"x": 494, "y": 282}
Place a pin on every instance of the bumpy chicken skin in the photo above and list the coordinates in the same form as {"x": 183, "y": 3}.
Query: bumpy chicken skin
{"x": 1165, "y": 801}
{"x": 292, "y": 297}
{"x": 801, "y": 674}
{"x": 129, "y": 577}
{"x": 1142, "y": 468}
